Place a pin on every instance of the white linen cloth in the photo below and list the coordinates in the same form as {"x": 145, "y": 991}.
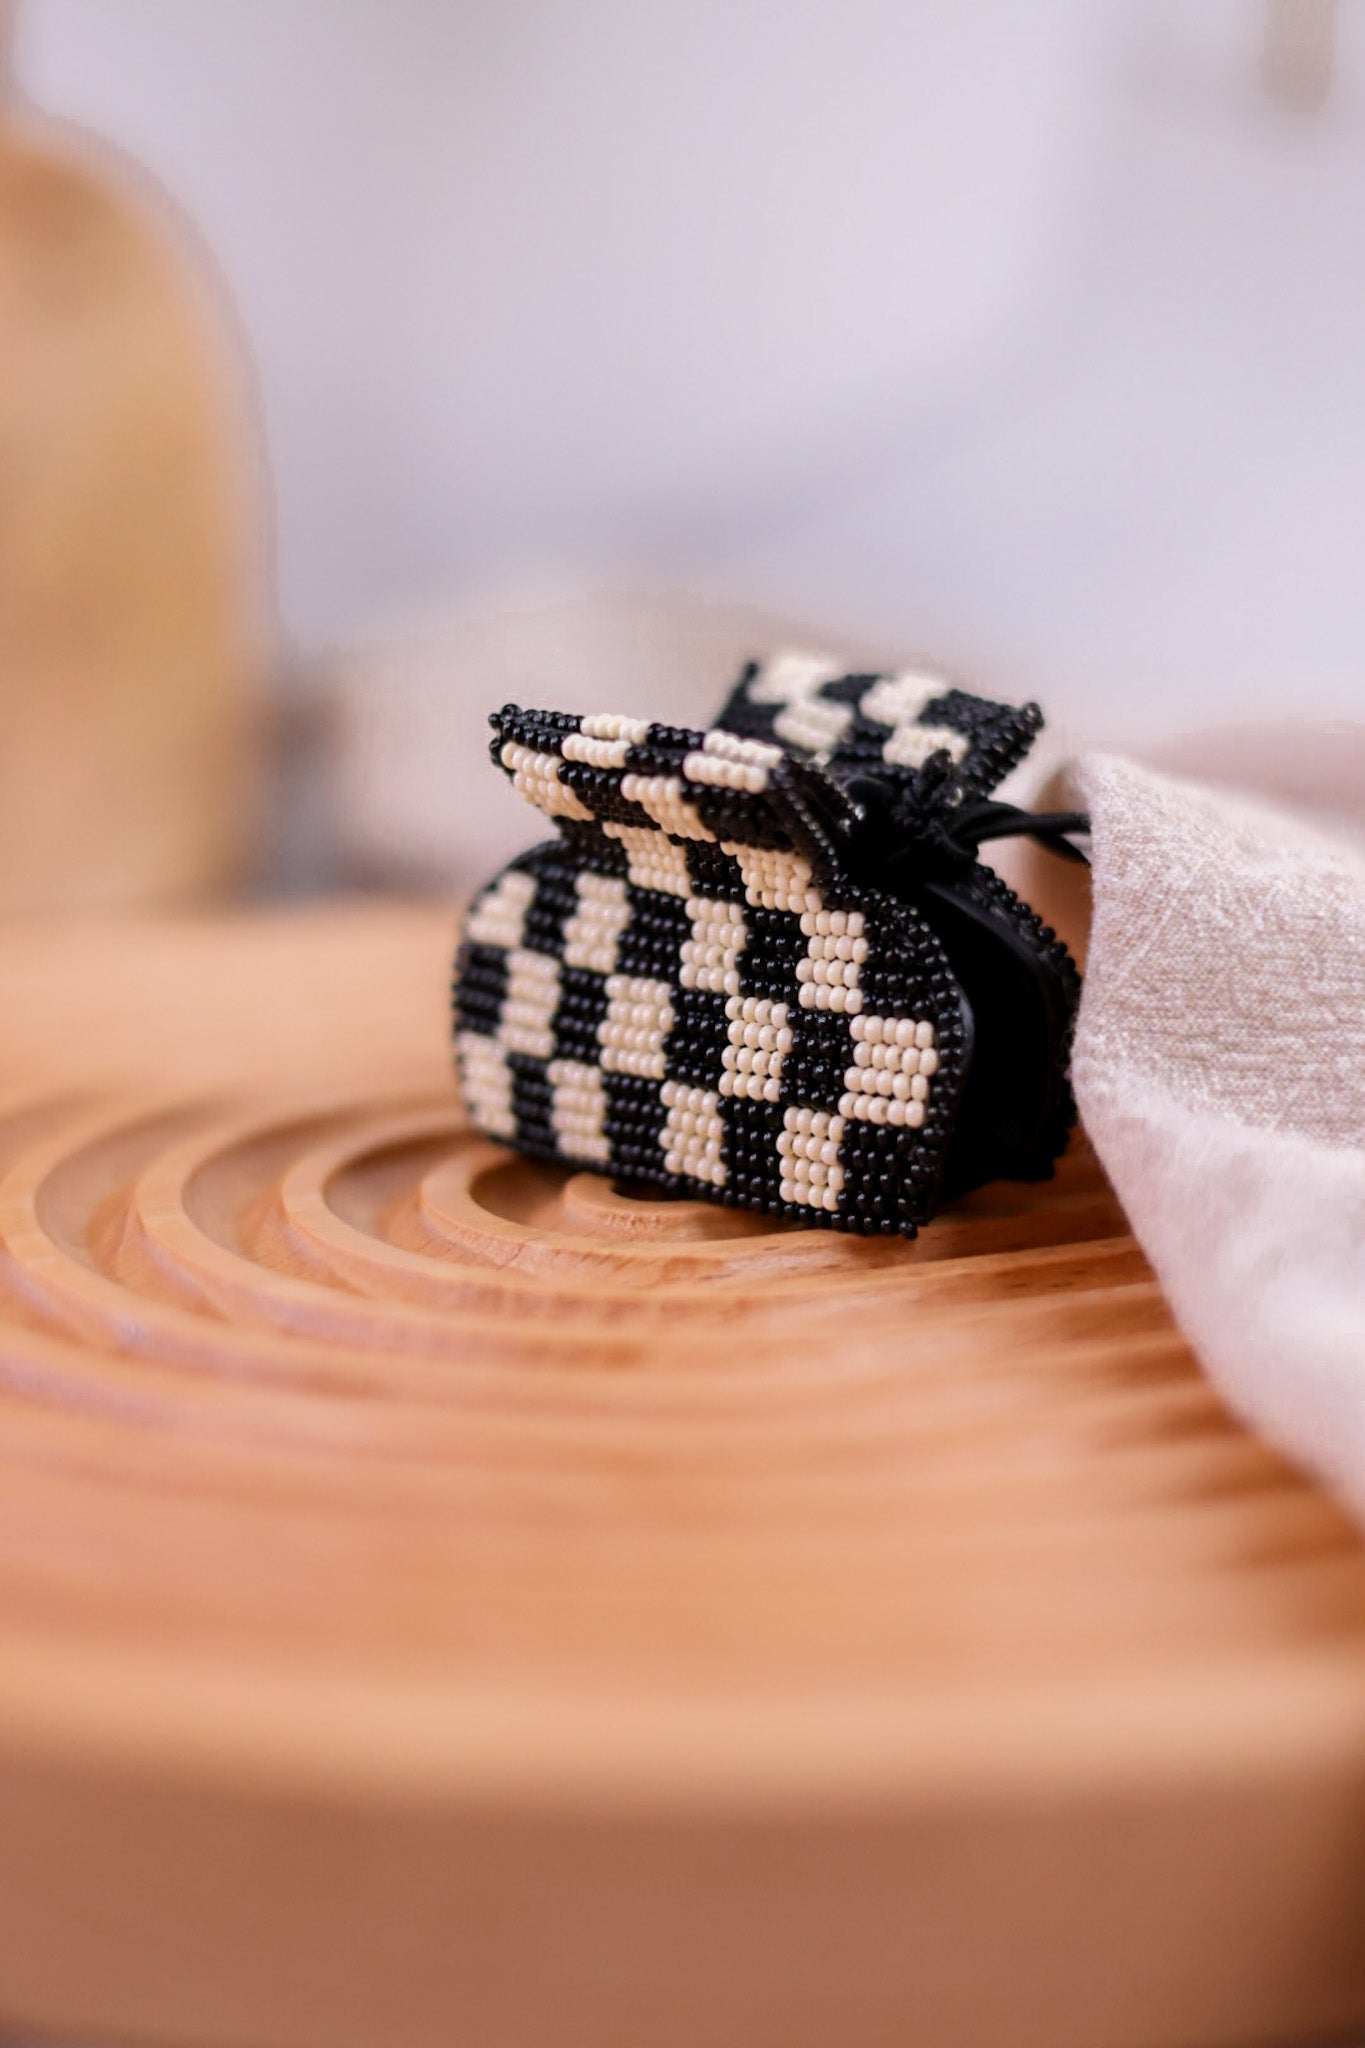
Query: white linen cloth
{"x": 1220, "y": 1072}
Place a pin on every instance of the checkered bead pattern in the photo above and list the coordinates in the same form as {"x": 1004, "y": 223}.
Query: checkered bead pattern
{"x": 685, "y": 989}
{"x": 888, "y": 725}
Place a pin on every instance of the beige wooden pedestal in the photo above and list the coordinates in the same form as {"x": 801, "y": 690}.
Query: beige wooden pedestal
{"x": 445, "y": 1602}
{"x": 132, "y": 630}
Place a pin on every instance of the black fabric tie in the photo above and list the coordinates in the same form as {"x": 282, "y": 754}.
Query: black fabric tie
{"x": 971, "y": 825}
{"x": 930, "y": 835}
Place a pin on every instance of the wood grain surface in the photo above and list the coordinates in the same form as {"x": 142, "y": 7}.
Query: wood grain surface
{"x": 443, "y": 1599}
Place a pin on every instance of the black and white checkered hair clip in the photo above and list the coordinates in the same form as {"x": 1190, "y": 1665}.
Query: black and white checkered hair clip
{"x": 763, "y": 963}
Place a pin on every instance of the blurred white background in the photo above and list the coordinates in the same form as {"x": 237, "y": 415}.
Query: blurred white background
{"x": 1029, "y": 338}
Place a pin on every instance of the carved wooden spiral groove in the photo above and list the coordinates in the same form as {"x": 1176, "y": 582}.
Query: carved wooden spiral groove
{"x": 860, "y": 1632}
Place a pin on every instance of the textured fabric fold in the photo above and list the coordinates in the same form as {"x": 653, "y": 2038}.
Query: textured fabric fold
{"x": 1220, "y": 1071}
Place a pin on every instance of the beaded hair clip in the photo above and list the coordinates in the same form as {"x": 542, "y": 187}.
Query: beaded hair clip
{"x": 762, "y": 963}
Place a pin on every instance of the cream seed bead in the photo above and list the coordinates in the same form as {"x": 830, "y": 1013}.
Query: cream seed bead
{"x": 597, "y": 753}
{"x": 592, "y": 934}
{"x": 498, "y": 917}
{"x": 719, "y": 774}
{"x": 653, "y": 861}
{"x": 529, "y": 1007}
{"x": 578, "y": 1110}
{"x": 902, "y": 1031}
{"x": 614, "y": 725}
{"x": 728, "y": 761}
{"x": 638, "y": 1020}
{"x": 828, "y": 976}
{"x": 808, "y": 1145}
{"x": 605, "y": 738}
{"x": 911, "y": 745}
{"x": 791, "y": 674}
{"x": 662, "y": 797}
{"x": 734, "y": 746}
{"x": 815, "y": 726}
{"x": 717, "y": 938}
{"x": 752, "y": 1068}
{"x": 536, "y": 777}
{"x": 487, "y": 1082}
{"x": 898, "y": 699}
{"x": 773, "y": 879}
{"x": 887, "y": 1081}
{"x": 693, "y": 1134}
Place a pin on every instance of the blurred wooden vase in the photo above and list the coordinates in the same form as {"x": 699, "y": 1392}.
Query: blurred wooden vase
{"x": 130, "y": 620}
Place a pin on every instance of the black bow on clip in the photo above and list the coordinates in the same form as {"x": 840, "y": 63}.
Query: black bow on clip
{"x": 925, "y": 829}
{"x": 975, "y": 823}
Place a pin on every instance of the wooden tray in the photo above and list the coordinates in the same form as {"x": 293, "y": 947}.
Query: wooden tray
{"x": 446, "y": 1601}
